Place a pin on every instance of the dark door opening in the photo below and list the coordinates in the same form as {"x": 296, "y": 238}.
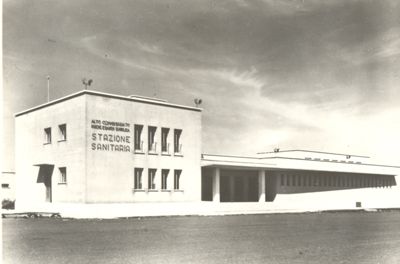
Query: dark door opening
{"x": 270, "y": 188}
{"x": 238, "y": 186}
{"x": 44, "y": 176}
{"x": 47, "y": 183}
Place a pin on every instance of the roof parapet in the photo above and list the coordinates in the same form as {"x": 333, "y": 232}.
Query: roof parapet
{"x": 277, "y": 151}
{"x": 147, "y": 98}
{"x": 140, "y": 99}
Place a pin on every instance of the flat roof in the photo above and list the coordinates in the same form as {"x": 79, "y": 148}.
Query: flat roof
{"x": 312, "y": 151}
{"x": 138, "y": 99}
{"x": 290, "y": 163}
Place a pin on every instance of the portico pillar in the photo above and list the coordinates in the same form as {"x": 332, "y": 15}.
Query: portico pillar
{"x": 261, "y": 186}
{"x": 231, "y": 188}
{"x": 215, "y": 185}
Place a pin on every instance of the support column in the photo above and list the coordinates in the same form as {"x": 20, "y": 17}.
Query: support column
{"x": 246, "y": 189}
{"x": 215, "y": 185}
{"x": 261, "y": 186}
{"x": 231, "y": 188}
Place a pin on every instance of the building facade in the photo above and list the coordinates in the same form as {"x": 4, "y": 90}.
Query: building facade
{"x": 98, "y": 148}
{"x": 300, "y": 179}
{"x": 92, "y": 147}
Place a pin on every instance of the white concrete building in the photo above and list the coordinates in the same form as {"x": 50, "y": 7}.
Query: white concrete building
{"x": 98, "y": 148}
{"x": 92, "y": 147}
{"x": 299, "y": 179}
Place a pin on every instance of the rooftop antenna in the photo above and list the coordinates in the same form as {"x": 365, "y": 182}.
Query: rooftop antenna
{"x": 48, "y": 88}
{"x": 197, "y": 102}
{"x": 87, "y": 82}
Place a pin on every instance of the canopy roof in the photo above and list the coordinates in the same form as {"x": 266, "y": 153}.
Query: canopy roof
{"x": 290, "y": 163}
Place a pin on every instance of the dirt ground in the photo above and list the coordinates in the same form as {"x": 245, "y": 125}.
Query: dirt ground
{"x": 341, "y": 237}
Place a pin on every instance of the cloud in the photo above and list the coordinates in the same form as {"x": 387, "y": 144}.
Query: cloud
{"x": 246, "y": 78}
{"x": 391, "y": 48}
{"x": 154, "y": 49}
{"x": 287, "y": 73}
{"x": 95, "y": 45}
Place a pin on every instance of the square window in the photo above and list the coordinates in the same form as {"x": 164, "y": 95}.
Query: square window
{"x": 47, "y": 135}
{"x": 63, "y": 132}
{"x": 177, "y": 179}
{"x": 152, "y": 179}
{"x": 63, "y": 174}
{"x": 164, "y": 179}
{"x": 138, "y": 179}
{"x": 5, "y": 185}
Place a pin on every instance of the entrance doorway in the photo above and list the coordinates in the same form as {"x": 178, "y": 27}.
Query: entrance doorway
{"x": 47, "y": 183}
{"x": 44, "y": 176}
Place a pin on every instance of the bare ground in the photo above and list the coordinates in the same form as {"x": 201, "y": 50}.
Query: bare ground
{"x": 341, "y": 237}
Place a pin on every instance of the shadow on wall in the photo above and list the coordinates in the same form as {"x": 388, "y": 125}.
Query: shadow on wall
{"x": 316, "y": 181}
{"x": 235, "y": 185}
{"x": 243, "y": 185}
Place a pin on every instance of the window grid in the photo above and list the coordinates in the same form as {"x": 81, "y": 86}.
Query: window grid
{"x": 334, "y": 181}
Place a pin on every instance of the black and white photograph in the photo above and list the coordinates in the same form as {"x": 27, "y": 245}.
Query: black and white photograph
{"x": 200, "y": 131}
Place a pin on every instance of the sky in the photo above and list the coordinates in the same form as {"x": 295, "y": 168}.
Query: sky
{"x": 315, "y": 75}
